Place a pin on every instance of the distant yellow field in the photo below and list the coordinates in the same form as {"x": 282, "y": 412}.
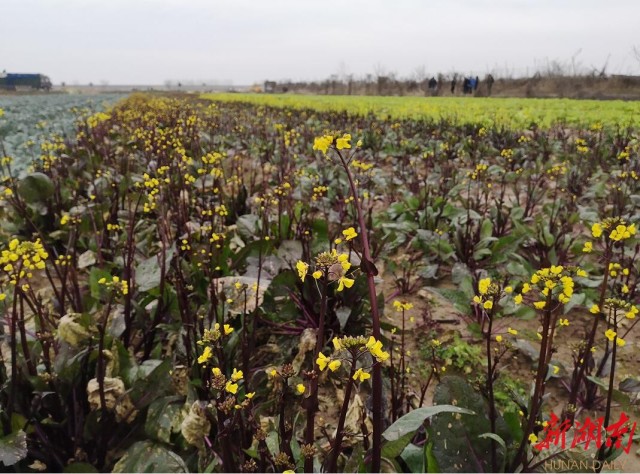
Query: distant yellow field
{"x": 487, "y": 111}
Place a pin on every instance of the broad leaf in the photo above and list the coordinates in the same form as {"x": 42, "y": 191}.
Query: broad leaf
{"x": 13, "y": 448}
{"x": 146, "y": 456}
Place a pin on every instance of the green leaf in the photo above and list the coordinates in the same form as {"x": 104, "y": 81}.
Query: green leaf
{"x": 630, "y": 385}
{"x": 414, "y": 419}
{"x": 94, "y": 275}
{"x": 393, "y": 449}
{"x": 486, "y": 230}
{"x": 36, "y": 187}
{"x": 290, "y": 251}
{"x": 501, "y": 442}
{"x": 457, "y": 444}
{"x": 146, "y": 456}
{"x": 163, "y": 418}
{"x": 149, "y": 272}
{"x": 248, "y": 227}
{"x": 413, "y": 457}
{"x": 431, "y": 463}
{"x": 13, "y": 448}
{"x": 514, "y": 424}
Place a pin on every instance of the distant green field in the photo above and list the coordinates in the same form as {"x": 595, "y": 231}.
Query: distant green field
{"x": 517, "y": 113}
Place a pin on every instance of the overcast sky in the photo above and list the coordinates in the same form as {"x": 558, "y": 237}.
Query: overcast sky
{"x": 247, "y": 41}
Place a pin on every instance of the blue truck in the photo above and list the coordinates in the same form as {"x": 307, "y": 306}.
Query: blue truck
{"x": 13, "y": 81}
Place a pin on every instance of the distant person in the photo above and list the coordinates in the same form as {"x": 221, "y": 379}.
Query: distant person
{"x": 476, "y": 84}
{"x": 490, "y": 80}
{"x": 433, "y": 84}
{"x": 453, "y": 85}
{"x": 466, "y": 85}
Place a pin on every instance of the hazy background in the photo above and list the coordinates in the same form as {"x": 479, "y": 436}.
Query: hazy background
{"x": 241, "y": 42}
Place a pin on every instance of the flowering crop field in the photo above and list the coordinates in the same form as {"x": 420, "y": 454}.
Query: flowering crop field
{"x": 271, "y": 284}
{"x": 512, "y": 113}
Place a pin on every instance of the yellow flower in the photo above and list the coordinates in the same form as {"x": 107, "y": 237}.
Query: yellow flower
{"x": 620, "y": 342}
{"x": 337, "y": 345}
{"x": 610, "y": 334}
{"x": 508, "y": 290}
{"x": 334, "y": 365}
{"x": 477, "y": 299}
{"x": 488, "y": 305}
{"x": 206, "y": 355}
{"x": 350, "y": 233}
{"x": 216, "y": 372}
{"x": 400, "y": 306}
{"x": 499, "y": 338}
{"x": 227, "y": 329}
{"x": 540, "y": 304}
{"x": 302, "y": 268}
{"x": 300, "y": 388}
{"x": 323, "y": 143}
{"x": 317, "y": 274}
{"x": 564, "y": 322}
{"x": 361, "y": 375}
{"x": 631, "y": 314}
{"x": 483, "y": 285}
{"x": 231, "y": 387}
{"x": 526, "y": 288}
{"x": 236, "y": 375}
{"x": 556, "y": 369}
{"x": 533, "y": 438}
{"x": 344, "y": 281}
{"x": 517, "y": 299}
{"x": 588, "y": 247}
{"x": 512, "y": 331}
{"x": 622, "y": 232}
{"x": 250, "y": 395}
{"x": 2, "y": 296}
{"x": 596, "y": 230}
{"x": 343, "y": 142}
{"x": 322, "y": 361}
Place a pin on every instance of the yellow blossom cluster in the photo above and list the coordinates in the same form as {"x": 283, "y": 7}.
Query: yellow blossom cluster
{"x": 117, "y": 284}
{"x": 612, "y": 335}
{"x": 356, "y": 346}
{"x": 324, "y": 142}
{"x": 401, "y": 306}
{"x": 360, "y": 344}
{"x": 361, "y": 165}
{"x": 479, "y": 170}
{"x": 616, "y": 304}
{"x": 552, "y": 282}
{"x": 615, "y": 229}
{"x": 20, "y": 259}
{"x": 331, "y": 265}
{"x": 213, "y": 335}
{"x": 488, "y": 292}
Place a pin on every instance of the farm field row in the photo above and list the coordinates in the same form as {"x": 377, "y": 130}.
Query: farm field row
{"x": 513, "y": 113}
{"x": 242, "y": 284}
{"x": 30, "y": 119}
